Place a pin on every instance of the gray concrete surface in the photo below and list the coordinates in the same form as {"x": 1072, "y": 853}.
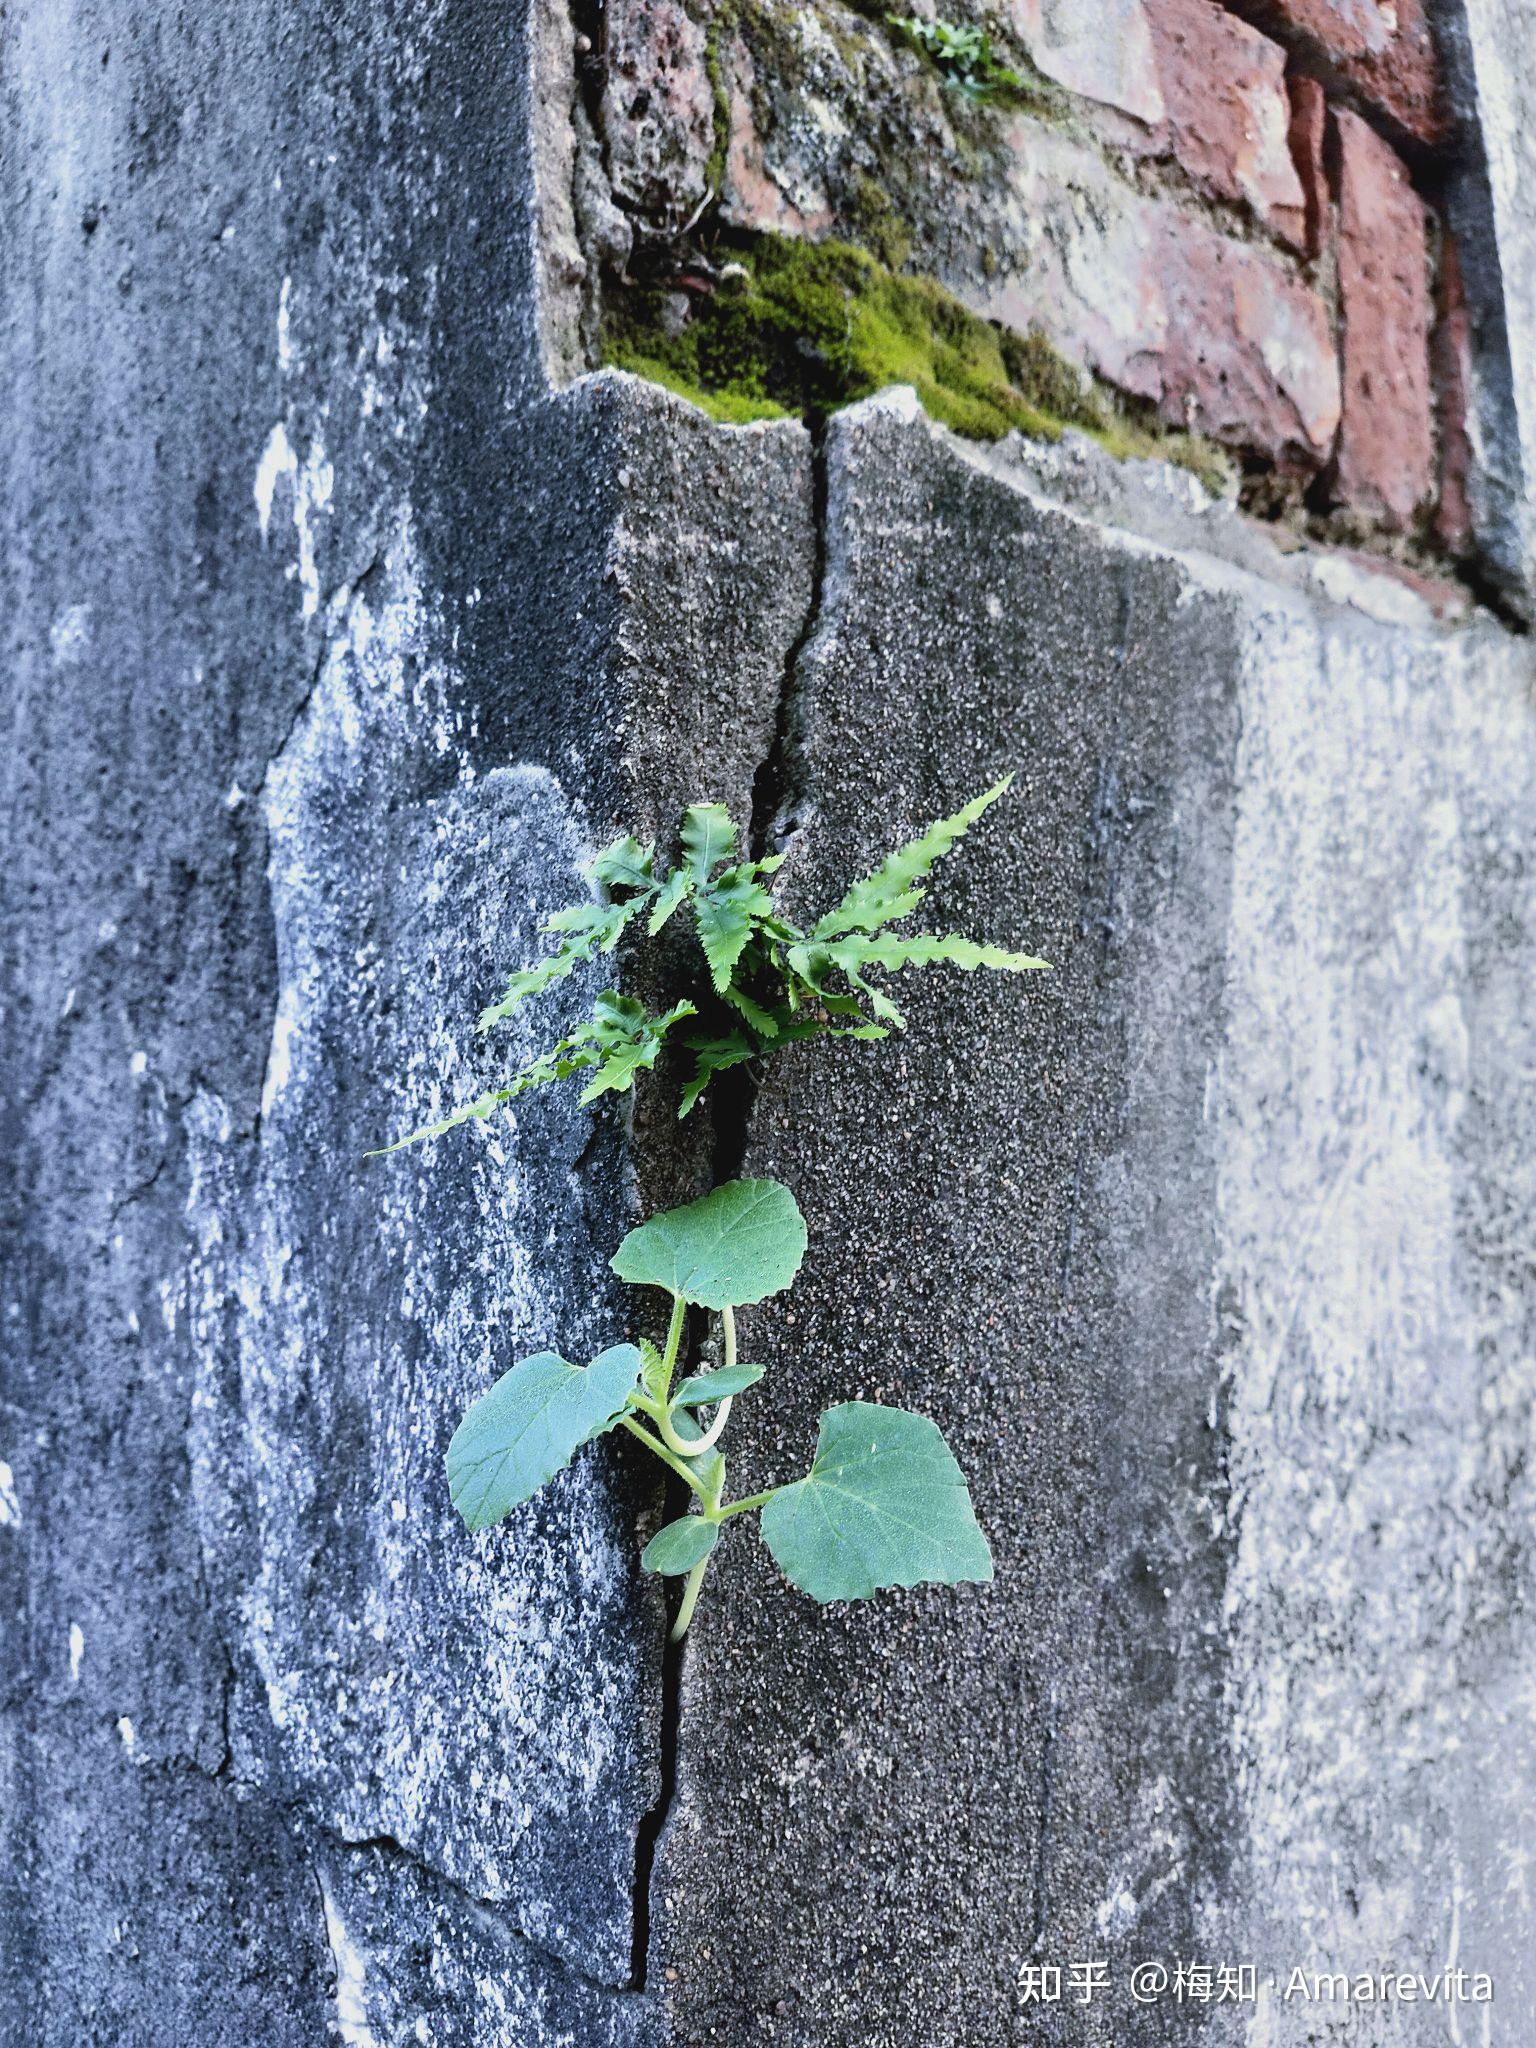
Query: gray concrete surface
{"x": 1204, "y": 1254}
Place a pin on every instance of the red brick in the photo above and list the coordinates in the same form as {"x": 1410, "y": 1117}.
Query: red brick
{"x": 1385, "y": 466}
{"x": 1248, "y": 357}
{"x": 1098, "y": 49}
{"x": 1219, "y": 334}
{"x": 1223, "y": 89}
{"x": 781, "y": 190}
{"x": 1382, "y": 48}
{"x": 658, "y": 107}
{"x": 1451, "y": 360}
{"x": 1309, "y": 127}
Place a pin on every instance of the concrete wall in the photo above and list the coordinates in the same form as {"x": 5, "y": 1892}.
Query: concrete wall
{"x": 335, "y": 637}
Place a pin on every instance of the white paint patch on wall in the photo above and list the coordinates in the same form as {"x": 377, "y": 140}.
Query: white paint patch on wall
{"x": 311, "y": 483}
{"x": 76, "y": 1651}
{"x": 70, "y": 634}
{"x": 351, "y": 1980}
{"x": 10, "y": 1507}
{"x": 312, "y": 495}
{"x": 280, "y": 1056}
{"x": 285, "y": 355}
{"x": 277, "y": 460}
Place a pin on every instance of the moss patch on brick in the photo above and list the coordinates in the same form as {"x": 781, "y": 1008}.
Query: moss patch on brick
{"x": 796, "y": 327}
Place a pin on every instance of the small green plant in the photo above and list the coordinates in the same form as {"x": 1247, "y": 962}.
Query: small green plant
{"x": 771, "y": 984}
{"x": 964, "y": 55}
{"x": 884, "y": 1503}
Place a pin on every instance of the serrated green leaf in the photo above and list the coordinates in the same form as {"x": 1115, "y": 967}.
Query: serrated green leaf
{"x": 926, "y": 950}
{"x": 470, "y": 1112}
{"x": 723, "y": 1385}
{"x": 652, "y": 1368}
{"x": 585, "y": 930}
{"x": 735, "y": 1246}
{"x": 673, "y": 890}
{"x": 680, "y": 1546}
{"x": 712, "y": 1056}
{"x": 765, "y": 1023}
{"x": 884, "y": 1504}
{"x": 889, "y": 893}
{"x": 626, "y": 864}
{"x": 727, "y": 912}
{"x": 598, "y": 925}
{"x": 530, "y": 1425}
{"x": 572, "y": 1055}
{"x": 628, "y": 1039}
{"x": 709, "y": 837}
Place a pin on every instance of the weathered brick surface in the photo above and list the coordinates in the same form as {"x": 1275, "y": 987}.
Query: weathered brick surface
{"x": 1451, "y": 361}
{"x": 1102, "y": 50}
{"x": 1385, "y": 466}
{"x": 1155, "y": 280}
{"x": 1308, "y": 133}
{"x": 1220, "y": 335}
{"x": 778, "y": 181}
{"x": 1381, "y": 49}
{"x": 1249, "y": 357}
{"x": 658, "y": 107}
{"x": 1223, "y": 90}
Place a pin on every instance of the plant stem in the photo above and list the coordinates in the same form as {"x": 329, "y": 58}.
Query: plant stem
{"x": 746, "y": 1504}
{"x": 693, "y": 1447}
{"x": 674, "y": 1341}
{"x": 690, "y": 1599}
{"x": 678, "y": 1465}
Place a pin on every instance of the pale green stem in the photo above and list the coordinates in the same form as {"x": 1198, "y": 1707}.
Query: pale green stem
{"x": 693, "y": 1447}
{"x": 690, "y": 1599}
{"x": 678, "y": 1465}
{"x": 685, "y": 1446}
{"x": 674, "y": 1340}
{"x": 747, "y": 1503}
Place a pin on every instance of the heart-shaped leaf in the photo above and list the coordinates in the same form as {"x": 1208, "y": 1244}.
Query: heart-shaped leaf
{"x": 884, "y": 1504}
{"x": 529, "y": 1427}
{"x": 680, "y": 1546}
{"x": 717, "y": 1386}
{"x": 736, "y": 1246}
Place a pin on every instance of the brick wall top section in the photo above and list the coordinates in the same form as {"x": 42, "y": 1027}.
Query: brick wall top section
{"x": 1165, "y": 215}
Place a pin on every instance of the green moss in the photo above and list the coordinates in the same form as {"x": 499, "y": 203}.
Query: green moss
{"x": 801, "y": 327}
{"x": 720, "y": 21}
{"x": 731, "y": 408}
{"x": 811, "y": 326}
{"x": 879, "y": 226}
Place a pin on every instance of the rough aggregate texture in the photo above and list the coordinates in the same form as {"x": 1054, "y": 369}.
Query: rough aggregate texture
{"x": 1197, "y": 1252}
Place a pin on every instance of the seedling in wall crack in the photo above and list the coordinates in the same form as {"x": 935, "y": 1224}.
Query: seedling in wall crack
{"x": 884, "y": 1503}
